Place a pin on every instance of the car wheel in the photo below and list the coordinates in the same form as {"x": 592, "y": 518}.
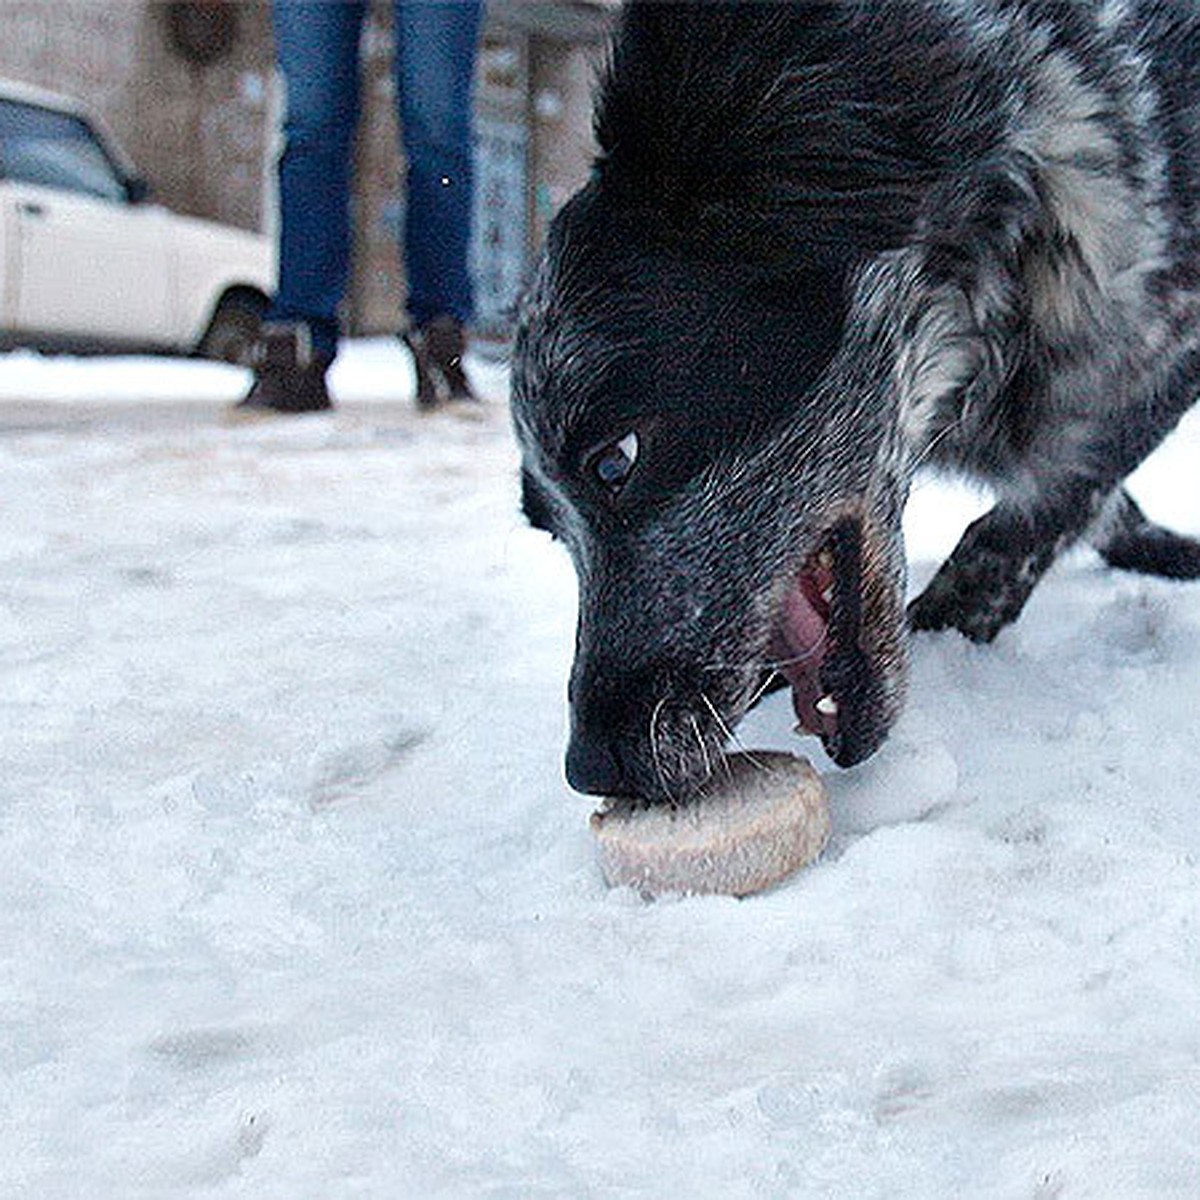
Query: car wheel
{"x": 234, "y": 329}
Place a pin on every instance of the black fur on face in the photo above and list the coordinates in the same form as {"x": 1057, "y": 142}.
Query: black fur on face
{"x": 824, "y": 243}
{"x": 686, "y": 551}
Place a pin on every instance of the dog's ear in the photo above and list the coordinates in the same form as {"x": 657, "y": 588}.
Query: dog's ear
{"x": 916, "y": 330}
{"x": 1013, "y": 266}
{"x": 951, "y": 309}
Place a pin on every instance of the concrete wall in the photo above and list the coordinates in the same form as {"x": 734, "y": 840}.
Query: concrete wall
{"x": 206, "y": 134}
{"x": 562, "y": 80}
{"x": 198, "y": 132}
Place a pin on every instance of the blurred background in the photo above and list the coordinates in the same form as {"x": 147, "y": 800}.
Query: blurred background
{"x": 190, "y": 91}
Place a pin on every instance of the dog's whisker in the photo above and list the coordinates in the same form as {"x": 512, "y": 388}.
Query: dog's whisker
{"x": 816, "y": 651}
{"x": 932, "y": 444}
{"x": 720, "y": 721}
{"x": 659, "y": 770}
{"x": 775, "y": 665}
{"x": 708, "y": 767}
{"x": 732, "y": 736}
{"x": 763, "y": 687}
{"x": 725, "y": 765}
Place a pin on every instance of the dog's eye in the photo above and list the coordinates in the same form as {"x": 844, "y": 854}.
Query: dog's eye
{"x": 613, "y": 463}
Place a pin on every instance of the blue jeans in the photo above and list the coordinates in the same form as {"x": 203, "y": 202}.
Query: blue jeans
{"x": 317, "y": 44}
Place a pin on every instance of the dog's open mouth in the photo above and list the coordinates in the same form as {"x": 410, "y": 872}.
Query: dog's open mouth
{"x": 818, "y": 647}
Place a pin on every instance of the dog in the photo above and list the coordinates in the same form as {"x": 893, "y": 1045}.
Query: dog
{"x": 822, "y": 245}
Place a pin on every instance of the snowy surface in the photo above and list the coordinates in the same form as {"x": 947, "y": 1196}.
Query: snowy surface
{"x": 294, "y": 902}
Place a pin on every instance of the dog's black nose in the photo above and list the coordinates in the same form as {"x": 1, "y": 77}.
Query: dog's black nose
{"x": 593, "y": 767}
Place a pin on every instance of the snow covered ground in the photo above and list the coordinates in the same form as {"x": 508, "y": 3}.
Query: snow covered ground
{"x": 294, "y": 902}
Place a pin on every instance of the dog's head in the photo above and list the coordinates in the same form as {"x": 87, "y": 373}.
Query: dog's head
{"x": 710, "y": 441}
{"x": 720, "y": 375}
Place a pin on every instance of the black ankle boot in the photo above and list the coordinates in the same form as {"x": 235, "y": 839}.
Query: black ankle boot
{"x": 289, "y": 374}
{"x": 437, "y": 349}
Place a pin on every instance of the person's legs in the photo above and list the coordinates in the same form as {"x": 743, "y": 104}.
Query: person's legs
{"x": 316, "y": 43}
{"x": 317, "y": 49}
{"x": 435, "y": 64}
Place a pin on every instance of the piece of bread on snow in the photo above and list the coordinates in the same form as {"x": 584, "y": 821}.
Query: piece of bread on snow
{"x": 763, "y": 816}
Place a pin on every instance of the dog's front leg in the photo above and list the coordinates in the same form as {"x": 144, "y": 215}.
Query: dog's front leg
{"x": 985, "y": 583}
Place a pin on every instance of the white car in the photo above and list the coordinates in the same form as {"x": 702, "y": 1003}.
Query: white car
{"x": 87, "y": 261}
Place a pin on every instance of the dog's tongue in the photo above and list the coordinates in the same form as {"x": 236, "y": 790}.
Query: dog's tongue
{"x": 804, "y": 634}
{"x": 804, "y": 626}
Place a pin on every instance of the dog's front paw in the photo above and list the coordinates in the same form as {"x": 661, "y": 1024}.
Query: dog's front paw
{"x": 981, "y": 588}
{"x": 950, "y": 603}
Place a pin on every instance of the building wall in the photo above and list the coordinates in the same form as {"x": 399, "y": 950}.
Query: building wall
{"x": 206, "y": 134}
{"x": 562, "y": 81}
{"x": 198, "y": 132}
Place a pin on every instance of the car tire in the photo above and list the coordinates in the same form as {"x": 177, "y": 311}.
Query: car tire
{"x": 233, "y": 331}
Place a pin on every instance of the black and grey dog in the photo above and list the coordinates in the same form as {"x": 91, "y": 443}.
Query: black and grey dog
{"x": 822, "y": 245}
